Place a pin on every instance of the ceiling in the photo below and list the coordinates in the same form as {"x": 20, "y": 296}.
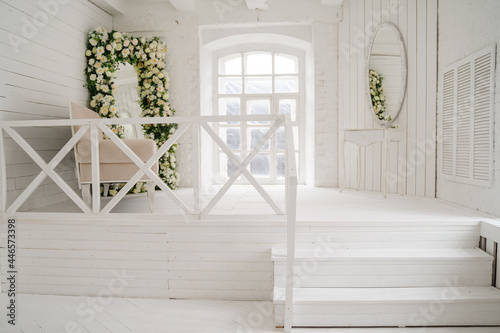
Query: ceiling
{"x": 120, "y": 6}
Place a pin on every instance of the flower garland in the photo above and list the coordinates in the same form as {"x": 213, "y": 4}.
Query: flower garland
{"x": 377, "y": 95}
{"x": 105, "y": 52}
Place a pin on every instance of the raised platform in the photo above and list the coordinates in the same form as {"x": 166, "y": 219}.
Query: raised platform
{"x": 225, "y": 255}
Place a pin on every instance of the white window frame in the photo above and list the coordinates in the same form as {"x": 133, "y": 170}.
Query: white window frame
{"x": 274, "y": 98}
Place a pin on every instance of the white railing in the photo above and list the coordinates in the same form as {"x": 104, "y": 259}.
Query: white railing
{"x": 185, "y": 123}
{"x": 489, "y": 237}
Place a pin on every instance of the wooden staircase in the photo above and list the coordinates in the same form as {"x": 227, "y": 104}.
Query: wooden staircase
{"x": 353, "y": 283}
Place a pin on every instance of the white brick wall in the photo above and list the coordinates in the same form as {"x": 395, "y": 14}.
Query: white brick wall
{"x": 180, "y": 32}
{"x": 326, "y": 119}
{"x": 466, "y": 27}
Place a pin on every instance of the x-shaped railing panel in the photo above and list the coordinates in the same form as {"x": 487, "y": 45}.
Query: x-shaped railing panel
{"x": 145, "y": 168}
{"x": 242, "y": 167}
{"x": 47, "y": 169}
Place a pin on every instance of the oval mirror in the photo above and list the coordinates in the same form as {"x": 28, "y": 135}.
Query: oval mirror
{"x": 127, "y": 98}
{"x": 386, "y": 74}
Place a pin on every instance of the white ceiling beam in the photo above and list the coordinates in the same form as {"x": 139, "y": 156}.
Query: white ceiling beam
{"x": 184, "y": 5}
{"x": 332, "y": 3}
{"x": 257, "y": 4}
{"x": 112, "y": 7}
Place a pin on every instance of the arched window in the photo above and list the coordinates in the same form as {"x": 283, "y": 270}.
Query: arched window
{"x": 256, "y": 83}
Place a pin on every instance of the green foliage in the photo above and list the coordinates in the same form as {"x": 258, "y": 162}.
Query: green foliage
{"x": 105, "y": 52}
{"x": 377, "y": 95}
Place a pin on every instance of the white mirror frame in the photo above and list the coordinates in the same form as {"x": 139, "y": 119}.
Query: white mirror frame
{"x": 404, "y": 73}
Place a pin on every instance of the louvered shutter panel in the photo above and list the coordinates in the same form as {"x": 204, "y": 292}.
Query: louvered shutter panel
{"x": 448, "y": 122}
{"x": 463, "y": 121}
{"x": 483, "y": 116}
{"x": 467, "y": 97}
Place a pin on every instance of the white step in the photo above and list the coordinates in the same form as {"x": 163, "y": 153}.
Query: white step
{"x": 403, "y": 307}
{"x": 385, "y": 267}
{"x": 387, "y": 235}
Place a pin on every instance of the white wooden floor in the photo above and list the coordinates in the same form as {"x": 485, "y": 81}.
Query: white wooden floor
{"x": 57, "y": 314}
{"x": 313, "y": 204}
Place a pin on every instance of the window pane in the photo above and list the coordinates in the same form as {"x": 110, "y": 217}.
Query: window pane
{"x": 289, "y": 106}
{"x": 230, "y": 65}
{"x": 233, "y": 138}
{"x": 259, "y": 166}
{"x": 256, "y": 135}
{"x": 287, "y": 84}
{"x": 258, "y": 85}
{"x": 259, "y": 107}
{"x": 280, "y": 138}
{"x": 280, "y": 165}
{"x": 230, "y": 107}
{"x": 230, "y": 85}
{"x": 295, "y": 137}
{"x": 227, "y": 166}
{"x": 285, "y": 64}
{"x": 259, "y": 63}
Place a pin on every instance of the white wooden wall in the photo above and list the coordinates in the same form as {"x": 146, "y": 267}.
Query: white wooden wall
{"x": 466, "y": 27}
{"x": 417, "y": 21}
{"x": 42, "y": 62}
{"x": 175, "y": 258}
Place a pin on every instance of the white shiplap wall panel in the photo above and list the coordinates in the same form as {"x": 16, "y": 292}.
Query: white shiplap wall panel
{"x": 352, "y": 120}
{"x": 422, "y": 87}
{"x": 403, "y": 28}
{"x": 83, "y": 257}
{"x": 42, "y": 62}
{"x": 369, "y": 120}
{"x": 431, "y": 120}
{"x": 417, "y": 22}
{"x": 207, "y": 259}
{"x": 411, "y": 96}
{"x": 374, "y": 165}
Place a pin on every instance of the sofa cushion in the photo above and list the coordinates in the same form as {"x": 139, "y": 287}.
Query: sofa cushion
{"x": 109, "y": 152}
{"x": 113, "y": 173}
{"x": 81, "y": 112}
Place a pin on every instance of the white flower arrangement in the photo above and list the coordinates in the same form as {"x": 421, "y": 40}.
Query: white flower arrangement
{"x": 105, "y": 51}
{"x": 377, "y": 95}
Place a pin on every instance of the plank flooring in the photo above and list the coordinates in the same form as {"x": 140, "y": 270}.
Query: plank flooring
{"x": 313, "y": 204}
{"x": 55, "y": 314}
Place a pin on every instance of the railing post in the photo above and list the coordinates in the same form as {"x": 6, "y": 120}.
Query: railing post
{"x": 291, "y": 211}
{"x": 495, "y": 265}
{"x": 3, "y": 174}
{"x": 290, "y": 263}
{"x": 196, "y": 167}
{"x": 96, "y": 184}
{"x": 287, "y": 170}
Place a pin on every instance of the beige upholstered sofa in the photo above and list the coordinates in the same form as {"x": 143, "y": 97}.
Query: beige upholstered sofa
{"x": 114, "y": 165}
